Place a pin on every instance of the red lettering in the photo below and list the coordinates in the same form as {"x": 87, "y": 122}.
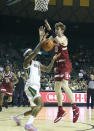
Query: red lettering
{"x": 77, "y": 97}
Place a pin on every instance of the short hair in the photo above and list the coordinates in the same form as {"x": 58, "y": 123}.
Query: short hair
{"x": 25, "y": 53}
{"x": 61, "y": 25}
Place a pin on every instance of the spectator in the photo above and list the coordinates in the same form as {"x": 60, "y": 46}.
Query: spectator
{"x": 90, "y": 91}
{"x": 19, "y": 90}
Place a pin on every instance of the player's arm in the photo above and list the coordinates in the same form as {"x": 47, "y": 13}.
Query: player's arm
{"x": 1, "y": 76}
{"x": 49, "y": 67}
{"x": 50, "y": 30}
{"x": 15, "y": 80}
{"x": 42, "y": 33}
{"x": 47, "y": 25}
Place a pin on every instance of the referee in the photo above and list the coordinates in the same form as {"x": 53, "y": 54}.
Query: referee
{"x": 90, "y": 91}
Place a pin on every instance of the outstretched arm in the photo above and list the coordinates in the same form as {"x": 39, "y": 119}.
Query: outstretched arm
{"x": 49, "y": 67}
{"x": 50, "y": 31}
{"x": 42, "y": 33}
{"x": 47, "y": 25}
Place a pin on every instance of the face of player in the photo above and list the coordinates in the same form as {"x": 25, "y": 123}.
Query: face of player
{"x": 59, "y": 31}
{"x": 7, "y": 68}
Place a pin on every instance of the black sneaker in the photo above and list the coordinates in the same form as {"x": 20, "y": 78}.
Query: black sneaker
{"x": 0, "y": 108}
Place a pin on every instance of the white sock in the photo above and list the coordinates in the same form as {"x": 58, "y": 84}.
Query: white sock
{"x": 31, "y": 119}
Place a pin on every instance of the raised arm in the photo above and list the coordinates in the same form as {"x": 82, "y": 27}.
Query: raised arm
{"x": 50, "y": 31}
{"x": 47, "y": 25}
{"x": 49, "y": 67}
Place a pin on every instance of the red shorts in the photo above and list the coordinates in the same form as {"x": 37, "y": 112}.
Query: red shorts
{"x": 6, "y": 89}
{"x": 63, "y": 72}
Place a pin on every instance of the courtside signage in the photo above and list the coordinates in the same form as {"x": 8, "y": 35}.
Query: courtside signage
{"x": 50, "y": 97}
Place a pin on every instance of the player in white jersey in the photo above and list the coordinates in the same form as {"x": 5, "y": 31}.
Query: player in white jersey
{"x": 32, "y": 87}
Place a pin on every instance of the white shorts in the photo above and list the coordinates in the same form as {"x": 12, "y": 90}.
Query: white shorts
{"x": 32, "y": 92}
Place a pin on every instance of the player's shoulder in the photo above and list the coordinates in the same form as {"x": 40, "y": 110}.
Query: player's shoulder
{"x": 65, "y": 40}
{"x": 36, "y": 62}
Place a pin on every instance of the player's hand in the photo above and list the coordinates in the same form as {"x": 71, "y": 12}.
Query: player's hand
{"x": 42, "y": 31}
{"x": 47, "y": 25}
{"x": 56, "y": 56}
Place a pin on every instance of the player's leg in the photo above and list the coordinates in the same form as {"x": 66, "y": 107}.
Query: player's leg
{"x": 58, "y": 92}
{"x": 92, "y": 98}
{"x": 36, "y": 105}
{"x": 35, "y": 109}
{"x": 7, "y": 100}
{"x": 68, "y": 91}
{"x": 88, "y": 98}
{"x": 71, "y": 97}
{"x": 1, "y": 100}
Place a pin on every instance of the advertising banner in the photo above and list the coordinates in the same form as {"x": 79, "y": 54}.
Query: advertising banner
{"x": 50, "y": 97}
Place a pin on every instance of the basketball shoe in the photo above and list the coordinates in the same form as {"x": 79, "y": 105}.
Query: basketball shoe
{"x": 30, "y": 127}
{"x": 75, "y": 113}
{"x": 17, "y": 121}
{"x": 60, "y": 114}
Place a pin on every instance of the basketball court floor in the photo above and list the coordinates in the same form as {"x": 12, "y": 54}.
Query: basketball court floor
{"x": 44, "y": 120}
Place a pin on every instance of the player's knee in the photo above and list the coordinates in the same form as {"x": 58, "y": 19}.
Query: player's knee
{"x": 65, "y": 84}
{"x": 38, "y": 101}
{"x": 57, "y": 89}
{"x": 36, "y": 110}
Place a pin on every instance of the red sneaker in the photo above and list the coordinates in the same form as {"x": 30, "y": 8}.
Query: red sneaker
{"x": 75, "y": 114}
{"x": 59, "y": 116}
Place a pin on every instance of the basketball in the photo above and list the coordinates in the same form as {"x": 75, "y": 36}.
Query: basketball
{"x": 47, "y": 45}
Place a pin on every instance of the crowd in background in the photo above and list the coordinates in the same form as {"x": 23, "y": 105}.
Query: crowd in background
{"x": 82, "y": 61}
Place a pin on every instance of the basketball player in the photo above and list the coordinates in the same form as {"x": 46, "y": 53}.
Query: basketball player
{"x": 9, "y": 79}
{"x": 32, "y": 86}
{"x": 62, "y": 70}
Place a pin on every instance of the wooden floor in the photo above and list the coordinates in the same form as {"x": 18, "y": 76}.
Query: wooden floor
{"x": 44, "y": 121}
